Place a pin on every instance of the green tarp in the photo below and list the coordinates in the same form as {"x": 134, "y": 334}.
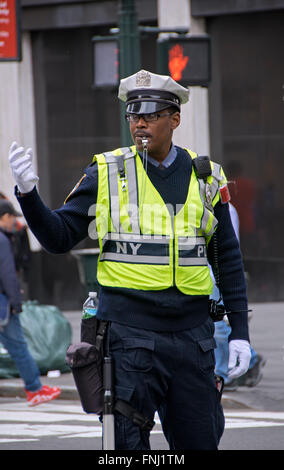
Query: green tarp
{"x": 48, "y": 334}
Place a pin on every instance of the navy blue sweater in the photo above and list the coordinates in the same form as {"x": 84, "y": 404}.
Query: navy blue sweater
{"x": 166, "y": 310}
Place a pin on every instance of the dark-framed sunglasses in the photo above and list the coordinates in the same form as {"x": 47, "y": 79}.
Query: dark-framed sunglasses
{"x": 150, "y": 117}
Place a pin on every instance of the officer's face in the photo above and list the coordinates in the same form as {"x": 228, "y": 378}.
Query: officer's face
{"x": 158, "y": 132}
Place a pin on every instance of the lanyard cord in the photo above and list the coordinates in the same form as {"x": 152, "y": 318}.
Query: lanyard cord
{"x": 143, "y": 183}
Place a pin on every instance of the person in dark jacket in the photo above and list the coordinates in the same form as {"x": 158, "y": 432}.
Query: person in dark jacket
{"x": 12, "y": 335}
{"x": 21, "y": 247}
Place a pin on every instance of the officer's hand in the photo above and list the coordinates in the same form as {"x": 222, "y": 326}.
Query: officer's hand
{"x": 239, "y": 358}
{"x": 21, "y": 166}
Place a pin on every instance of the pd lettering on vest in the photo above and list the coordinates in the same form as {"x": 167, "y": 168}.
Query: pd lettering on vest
{"x": 192, "y": 252}
{"x": 201, "y": 250}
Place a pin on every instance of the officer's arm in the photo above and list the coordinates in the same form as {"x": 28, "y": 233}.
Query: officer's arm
{"x": 60, "y": 230}
{"x": 232, "y": 278}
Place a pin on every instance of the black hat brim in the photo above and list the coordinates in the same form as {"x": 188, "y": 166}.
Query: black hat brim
{"x": 150, "y": 101}
{"x": 146, "y": 107}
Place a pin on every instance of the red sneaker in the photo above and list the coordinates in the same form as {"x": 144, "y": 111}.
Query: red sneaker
{"x": 46, "y": 393}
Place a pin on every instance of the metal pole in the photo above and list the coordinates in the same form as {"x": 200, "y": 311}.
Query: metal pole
{"x": 129, "y": 54}
{"x": 108, "y": 416}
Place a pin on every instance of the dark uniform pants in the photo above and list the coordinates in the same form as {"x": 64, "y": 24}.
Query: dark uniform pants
{"x": 172, "y": 373}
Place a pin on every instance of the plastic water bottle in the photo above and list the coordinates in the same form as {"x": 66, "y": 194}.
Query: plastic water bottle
{"x": 90, "y": 306}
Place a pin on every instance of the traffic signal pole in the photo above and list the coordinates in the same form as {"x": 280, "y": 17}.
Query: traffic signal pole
{"x": 128, "y": 37}
{"x": 129, "y": 54}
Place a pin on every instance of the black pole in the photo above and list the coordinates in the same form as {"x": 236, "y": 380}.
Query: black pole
{"x": 108, "y": 416}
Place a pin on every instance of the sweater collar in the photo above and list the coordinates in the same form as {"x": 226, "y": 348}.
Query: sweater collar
{"x": 170, "y": 158}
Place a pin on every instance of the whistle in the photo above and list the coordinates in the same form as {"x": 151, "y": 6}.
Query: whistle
{"x": 144, "y": 143}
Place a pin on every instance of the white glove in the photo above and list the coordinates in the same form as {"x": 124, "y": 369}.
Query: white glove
{"x": 239, "y": 358}
{"x": 21, "y": 166}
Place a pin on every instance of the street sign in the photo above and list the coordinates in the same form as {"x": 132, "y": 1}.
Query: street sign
{"x": 10, "y": 34}
{"x": 186, "y": 59}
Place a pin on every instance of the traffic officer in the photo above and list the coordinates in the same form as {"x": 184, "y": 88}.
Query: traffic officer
{"x": 155, "y": 220}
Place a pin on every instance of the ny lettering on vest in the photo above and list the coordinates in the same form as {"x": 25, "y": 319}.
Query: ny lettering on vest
{"x": 123, "y": 247}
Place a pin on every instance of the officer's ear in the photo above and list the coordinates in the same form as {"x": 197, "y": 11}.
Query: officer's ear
{"x": 175, "y": 120}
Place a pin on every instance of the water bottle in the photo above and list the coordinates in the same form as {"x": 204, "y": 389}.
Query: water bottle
{"x": 90, "y": 306}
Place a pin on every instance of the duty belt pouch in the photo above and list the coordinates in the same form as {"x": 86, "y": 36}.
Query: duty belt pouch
{"x": 85, "y": 360}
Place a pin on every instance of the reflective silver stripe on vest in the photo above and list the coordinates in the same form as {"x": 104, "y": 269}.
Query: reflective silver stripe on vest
{"x": 207, "y": 194}
{"x": 136, "y": 259}
{"x": 217, "y": 176}
{"x": 184, "y": 243}
{"x": 114, "y": 198}
{"x": 192, "y": 262}
{"x": 132, "y": 195}
{"x": 192, "y": 251}
{"x": 134, "y": 238}
{"x": 206, "y": 211}
{"x": 126, "y": 152}
{"x": 129, "y": 158}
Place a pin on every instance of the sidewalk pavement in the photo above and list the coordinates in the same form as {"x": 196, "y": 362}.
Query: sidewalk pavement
{"x": 266, "y": 334}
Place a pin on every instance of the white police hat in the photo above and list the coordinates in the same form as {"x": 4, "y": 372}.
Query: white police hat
{"x": 146, "y": 92}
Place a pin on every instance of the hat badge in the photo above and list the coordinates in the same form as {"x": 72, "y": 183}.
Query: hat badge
{"x": 143, "y": 79}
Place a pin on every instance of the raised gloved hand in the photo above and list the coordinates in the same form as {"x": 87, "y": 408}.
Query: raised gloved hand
{"x": 239, "y": 358}
{"x": 22, "y": 169}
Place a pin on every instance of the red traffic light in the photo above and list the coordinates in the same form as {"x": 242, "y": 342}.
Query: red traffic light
{"x": 177, "y": 62}
{"x": 186, "y": 59}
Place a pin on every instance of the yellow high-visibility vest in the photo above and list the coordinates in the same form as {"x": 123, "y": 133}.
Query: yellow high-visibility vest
{"x": 143, "y": 245}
